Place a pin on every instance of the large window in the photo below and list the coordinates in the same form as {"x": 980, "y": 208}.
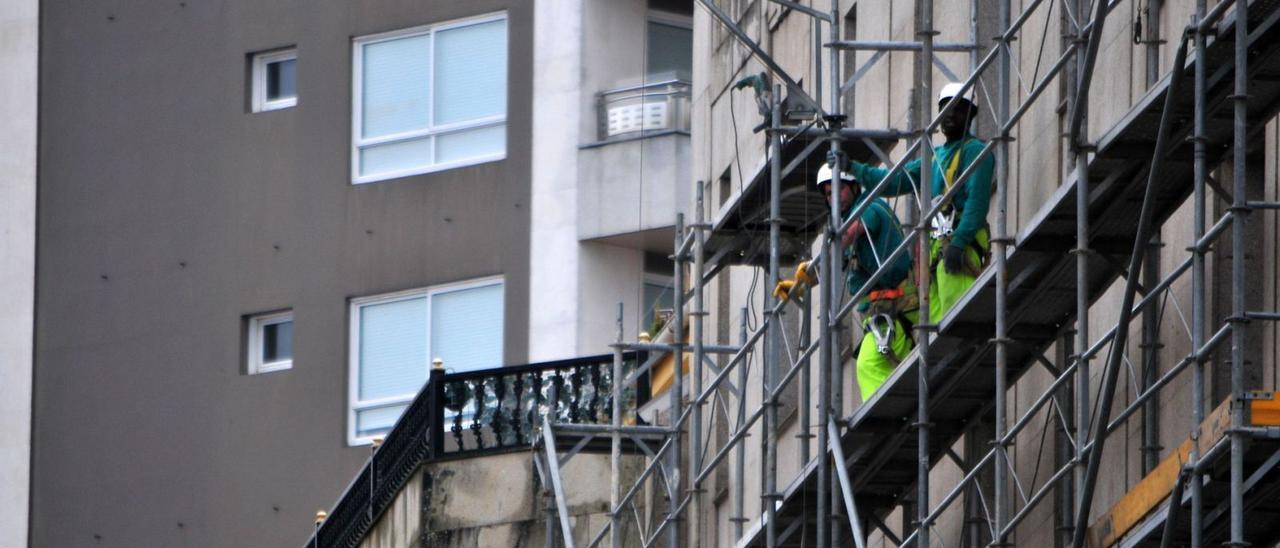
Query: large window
{"x": 670, "y": 47}
{"x": 429, "y": 98}
{"x": 395, "y": 337}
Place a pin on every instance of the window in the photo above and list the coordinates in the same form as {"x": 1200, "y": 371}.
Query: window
{"x": 394, "y": 338}
{"x": 658, "y": 302}
{"x": 275, "y": 80}
{"x": 429, "y": 99}
{"x": 670, "y": 47}
{"x": 270, "y": 344}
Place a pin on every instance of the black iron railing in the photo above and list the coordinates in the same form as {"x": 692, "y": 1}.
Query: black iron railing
{"x": 475, "y": 413}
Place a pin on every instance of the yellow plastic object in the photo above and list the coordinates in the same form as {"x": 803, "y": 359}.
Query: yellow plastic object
{"x": 661, "y": 379}
{"x": 1265, "y": 411}
{"x": 1149, "y": 493}
{"x": 803, "y": 275}
{"x": 786, "y": 289}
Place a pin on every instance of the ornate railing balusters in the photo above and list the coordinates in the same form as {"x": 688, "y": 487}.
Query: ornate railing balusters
{"x": 500, "y": 409}
{"x": 460, "y": 406}
{"x": 597, "y": 385}
{"x": 575, "y": 381}
{"x": 477, "y": 419}
{"x": 558, "y": 394}
{"x": 517, "y": 388}
{"x": 536, "y": 406}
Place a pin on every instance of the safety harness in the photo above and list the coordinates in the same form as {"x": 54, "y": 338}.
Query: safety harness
{"x": 943, "y": 224}
{"x": 886, "y": 305}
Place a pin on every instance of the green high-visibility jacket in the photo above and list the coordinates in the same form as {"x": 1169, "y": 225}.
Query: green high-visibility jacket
{"x": 881, "y": 235}
{"x": 972, "y": 200}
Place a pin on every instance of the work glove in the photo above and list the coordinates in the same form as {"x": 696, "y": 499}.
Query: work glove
{"x": 953, "y": 259}
{"x": 795, "y": 286}
{"x": 783, "y": 290}
{"x": 803, "y": 275}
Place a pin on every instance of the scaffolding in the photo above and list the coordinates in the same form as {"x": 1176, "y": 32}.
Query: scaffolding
{"x": 1035, "y": 294}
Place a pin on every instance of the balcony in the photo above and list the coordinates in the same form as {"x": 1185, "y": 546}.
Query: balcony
{"x": 481, "y": 413}
{"x": 635, "y": 177}
{"x": 636, "y": 111}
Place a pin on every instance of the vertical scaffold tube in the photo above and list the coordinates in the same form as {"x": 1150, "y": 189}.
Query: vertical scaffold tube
{"x": 1239, "y": 213}
{"x": 699, "y": 314}
{"x": 1198, "y": 281}
{"x": 1079, "y": 109}
{"x": 834, "y": 402}
{"x": 615, "y": 440}
{"x": 677, "y": 386}
{"x": 772, "y": 339}
{"x": 999, "y": 251}
{"x": 740, "y": 449}
{"x": 828, "y": 297}
{"x": 924, "y": 14}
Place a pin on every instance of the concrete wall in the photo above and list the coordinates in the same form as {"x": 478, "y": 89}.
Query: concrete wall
{"x": 168, "y": 212}
{"x": 633, "y": 186}
{"x": 494, "y": 501}
{"x": 553, "y": 236}
{"x": 20, "y": 26}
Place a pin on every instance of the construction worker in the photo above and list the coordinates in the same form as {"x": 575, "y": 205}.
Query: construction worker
{"x": 890, "y": 304}
{"x": 960, "y": 240}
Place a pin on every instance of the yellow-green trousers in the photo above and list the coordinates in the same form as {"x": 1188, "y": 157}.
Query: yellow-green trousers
{"x": 874, "y": 367}
{"x": 947, "y": 288}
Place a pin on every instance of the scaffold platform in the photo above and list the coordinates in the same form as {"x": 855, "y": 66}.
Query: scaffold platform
{"x": 879, "y": 438}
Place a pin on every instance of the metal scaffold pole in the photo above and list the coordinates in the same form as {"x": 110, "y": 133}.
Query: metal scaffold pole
{"x": 1078, "y": 108}
{"x": 1198, "y": 279}
{"x": 928, "y": 324}
{"x": 677, "y": 388}
{"x": 999, "y": 251}
{"x": 699, "y": 315}
{"x": 836, "y": 384}
{"x": 829, "y": 350}
{"x": 740, "y": 449}
{"x": 615, "y": 441}
{"x": 772, "y": 341}
{"x": 824, "y": 359}
{"x": 1238, "y": 321}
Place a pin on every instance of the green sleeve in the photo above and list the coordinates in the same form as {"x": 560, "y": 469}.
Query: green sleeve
{"x": 902, "y": 182}
{"x": 871, "y": 220}
{"x": 977, "y": 201}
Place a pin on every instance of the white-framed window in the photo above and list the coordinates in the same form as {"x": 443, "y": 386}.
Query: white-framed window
{"x": 394, "y": 338}
{"x": 274, "y": 80}
{"x": 429, "y": 98}
{"x": 270, "y": 342}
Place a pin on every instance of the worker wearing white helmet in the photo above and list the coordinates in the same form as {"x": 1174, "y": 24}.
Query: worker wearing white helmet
{"x": 890, "y": 305}
{"x": 960, "y": 239}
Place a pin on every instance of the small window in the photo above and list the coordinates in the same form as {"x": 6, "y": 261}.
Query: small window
{"x": 395, "y": 337}
{"x": 270, "y": 342}
{"x": 275, "y": 80}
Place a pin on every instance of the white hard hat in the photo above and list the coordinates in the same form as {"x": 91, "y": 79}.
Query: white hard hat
{"x": 824, "y": 175}
{"x": 952, "y": 89}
